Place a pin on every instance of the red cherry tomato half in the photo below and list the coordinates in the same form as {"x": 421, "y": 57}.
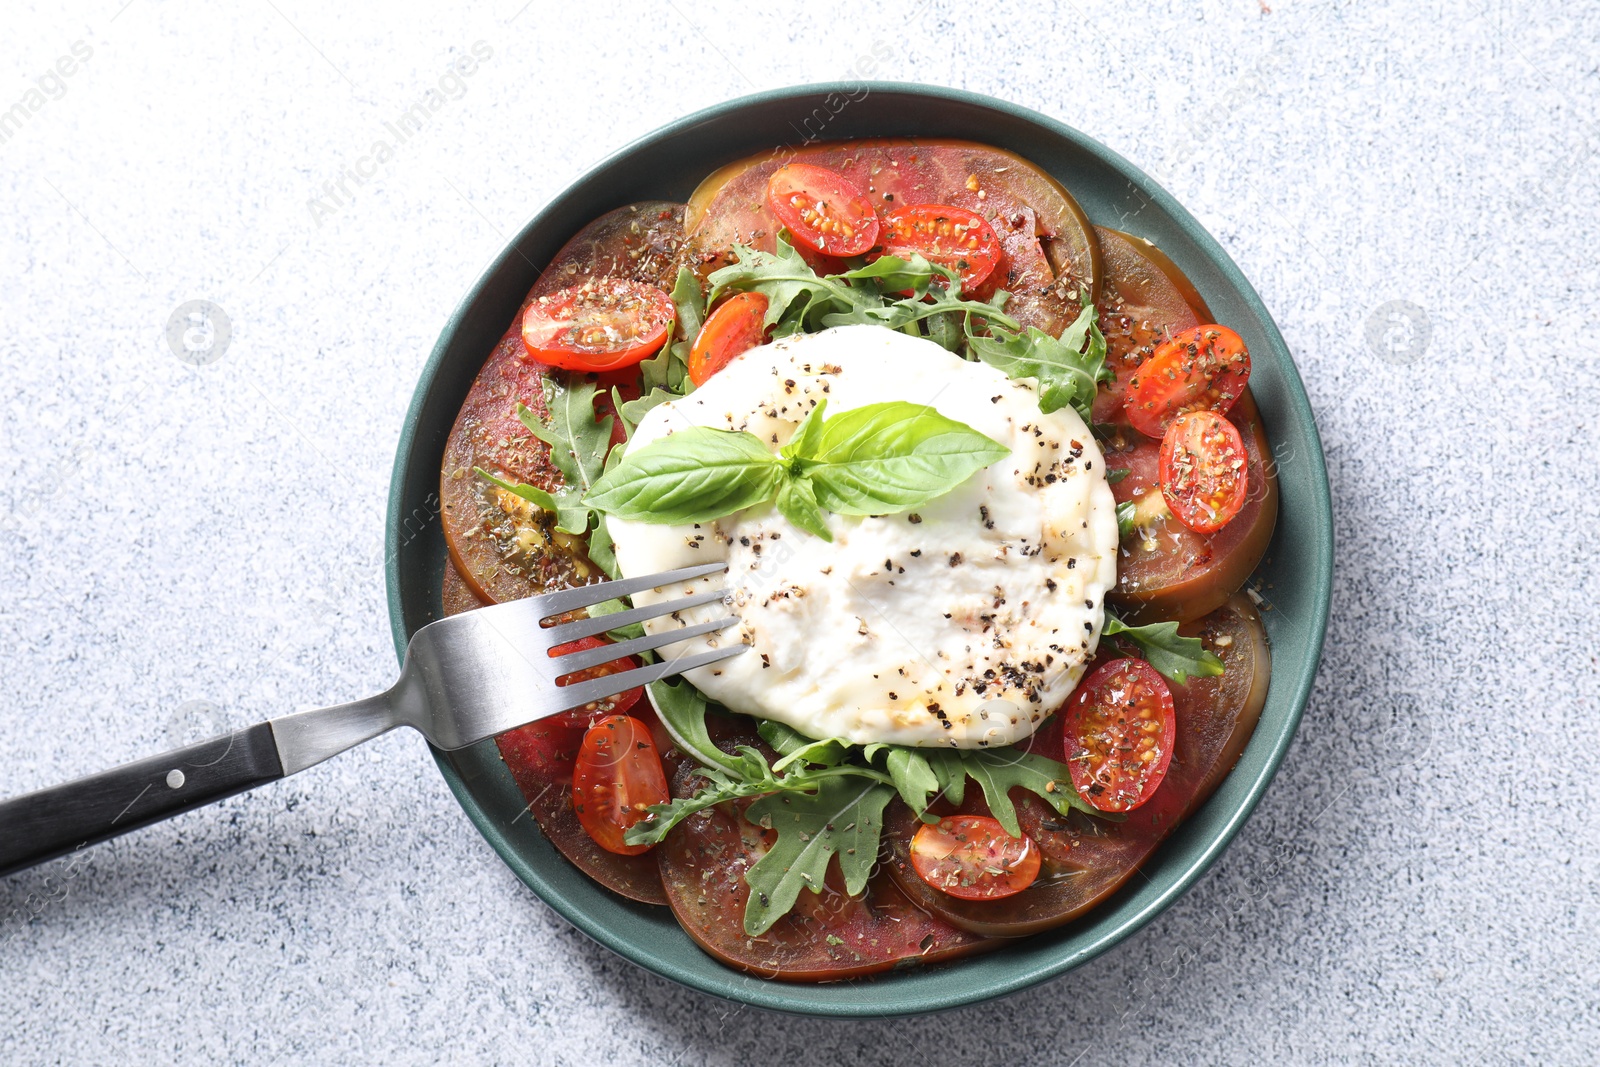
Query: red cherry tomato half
{"x": 1119, "y": 731}
{"x": 595, "y": 709}
{"x": 1204, "y": 368}
{"x": 949, "y": 236}
{"x": 618, "y": 776}
{"x": 823, "y": 210}
{"x": 973, "y": 858}
{"x": 1204, "y": 471}
{"x": 601, "y": 325}
{"x": 735, "y": 326}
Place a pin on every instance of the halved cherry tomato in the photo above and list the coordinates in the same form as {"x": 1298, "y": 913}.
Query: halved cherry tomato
{"x": 1204, "y": 471}
{"x": 973, "y": 858}
{"x": 734, "y": 327}
{"x": 595, "y": 709}
{"x": 949, "y": 236}
{"x": 822, "y": 209}
{"x": 1201, "y": 369}
{"x": 601, "y": 325}
{"x": 1120, "y": 728}
{"x": 618, "y": 775}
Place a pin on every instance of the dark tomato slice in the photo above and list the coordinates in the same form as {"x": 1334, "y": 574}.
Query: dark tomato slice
{"x": 1201, "y": 369}
{"x": 1144, "y": 300}
{"x": 503, "y": 548}
{"x": 601, "y": 325}
{"x": 973, "y": 858}
{"x": 949, "y": 236}
{"x": 1204, "y": 471}
{"x": 456, "y": 595}
{"x": 1050, "y": 251}
{"x": 1086, "y": 859}
{"x": 829, "y": 936}
{"x": 617, "y": 776}
{"x": 1164, "y": 569}
{"x": 1119, "y": 728}
{"x": 595, "y": 709}
{"x": 822, "y": 209}
{"x": 735, "y": 326}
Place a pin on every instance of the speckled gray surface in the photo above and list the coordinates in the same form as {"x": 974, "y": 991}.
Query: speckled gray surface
{"x": 188, "y": 547}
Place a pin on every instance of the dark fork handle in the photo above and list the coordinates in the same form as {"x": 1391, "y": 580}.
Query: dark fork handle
{"x": 52, "y": 822}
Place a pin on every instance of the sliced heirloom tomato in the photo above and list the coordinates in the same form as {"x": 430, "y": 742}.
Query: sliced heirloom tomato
{"x": 1118, "y": 729}
{"x": 1204, "y": 473}
{"x": 823, "y": 210}
{"x": 604, "y": 324}
{"x": 736, "y": 326}
{"x": 1144, "y": 300}
{"x": 949, "y": 236}
{"x": 616, "y": 778}
{"x": 1050, "y": 251}
{"x": 502, "y": 546}
{"x": 1204, "y": 368}
{"x": 829, "y": 936}
{"x": 1084, "y": 859}
{"x": 973, "y": 858}
{"x": 1166, "y": 570}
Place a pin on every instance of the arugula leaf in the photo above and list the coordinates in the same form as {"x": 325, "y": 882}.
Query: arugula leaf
{"x": 668, "y": 369}
{"x": 1067, "y": 369}
{"x": 794, "y": 747}
{"x": 578, "y": 441}
{"x": 1115, "y": 476}
{"x": 683, "y": 708}
{"x": 565, "y": 503}
{"x": 1179, "y": 658}
{"x": 843, "y": 818}
{"x": 695, "y": 475}
{"x": 796, "y": 297}
{"x": 634, "y": 411}
{"x": 885, "y": 458}
{"x": 1000, "y": 770}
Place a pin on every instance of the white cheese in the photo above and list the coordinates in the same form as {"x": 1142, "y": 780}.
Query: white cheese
{"x": 961, "y": 624}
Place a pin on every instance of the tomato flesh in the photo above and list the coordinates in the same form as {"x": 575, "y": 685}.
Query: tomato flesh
{"x": 618, "y": 776}
{"x": 1204, "y": 471}
{"x": 595, "y": 710}
{"x": 823, "y": 210}
{"x": 949, "y": 236}
{"x": 1120, "y": 729}
{"x": 736, "y": 326}
{"x": 601, "y": 325}
{"x": 971, "y": 857}
{"x": 1204, "y": 368}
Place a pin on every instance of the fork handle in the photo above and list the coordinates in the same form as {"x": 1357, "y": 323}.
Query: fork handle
{"x": 52, "y": 822}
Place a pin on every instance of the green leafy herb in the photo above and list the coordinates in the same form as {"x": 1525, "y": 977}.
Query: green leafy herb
{"x": 1179, "y": 658}
{"x": 1127, "y": 518}
{"x": 668, "y": 369}
{"x": 875, "y": 460}
{"x": 843, "y": 818}
{"x": 1115, "y": 476}
{"x": 1067, "y": 369}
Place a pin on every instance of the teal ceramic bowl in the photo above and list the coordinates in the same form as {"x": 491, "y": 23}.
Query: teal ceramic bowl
{"x": 668, "y": 164}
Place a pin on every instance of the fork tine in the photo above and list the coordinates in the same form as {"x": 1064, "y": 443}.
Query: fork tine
{"x": 575, "y": 696}
{"x": 585, "y": 596}
{"x": 577, "y": 661}
{"x": 571, "y": 631}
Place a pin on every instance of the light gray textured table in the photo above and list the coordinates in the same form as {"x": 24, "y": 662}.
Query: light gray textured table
{"x": 189, "y": 547}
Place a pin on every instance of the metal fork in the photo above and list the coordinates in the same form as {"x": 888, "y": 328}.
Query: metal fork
{"x": 465, "y": 678}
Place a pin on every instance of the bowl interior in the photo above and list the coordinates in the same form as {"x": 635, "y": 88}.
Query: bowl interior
{"x": 667, "y": 165}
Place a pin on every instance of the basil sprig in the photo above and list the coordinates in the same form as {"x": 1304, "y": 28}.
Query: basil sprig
{"x": 881, "y": 459}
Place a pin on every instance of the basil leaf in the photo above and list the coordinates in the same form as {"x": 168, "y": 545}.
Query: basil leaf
{"x": 1178, "y": 658}
{"x": 885, "y": 458}
{"x": 695, "y": 475}
{"x": 806, "y": 436}
{"x": 797, "y": 502}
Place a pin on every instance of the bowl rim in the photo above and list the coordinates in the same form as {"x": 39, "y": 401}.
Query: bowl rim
{"x": 787, "y": 997}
